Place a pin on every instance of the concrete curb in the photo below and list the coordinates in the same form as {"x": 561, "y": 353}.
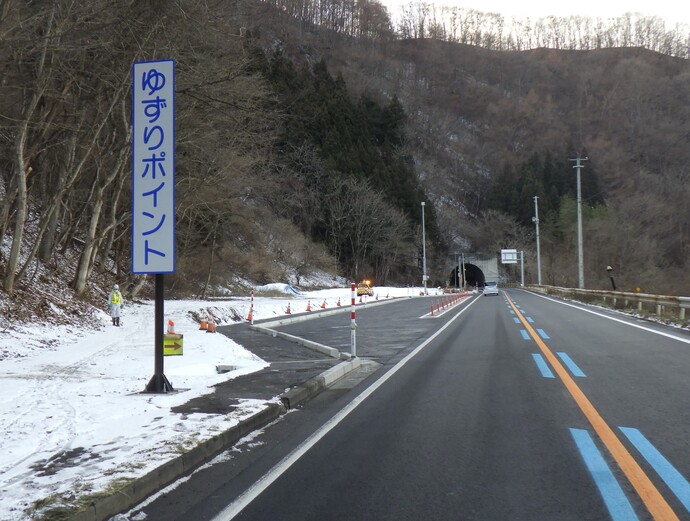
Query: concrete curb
{"x": 139, "y": 489}
{"x": 301, "y": 393}
{"x": 321, "y": 348}
{"x": 266, "y": 327}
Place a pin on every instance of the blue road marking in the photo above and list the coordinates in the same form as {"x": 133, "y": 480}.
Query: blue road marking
{"x": 674, "y": 479}
{"x": 529, "y": 319}
{"x": 543, "y": 334}
{"x": 524, "y": 334}
{"x": 616, "y": 502}
{"x": 571, "y": 365}
{"x": 541, "y": 365}
{"x": 516, "y": 320}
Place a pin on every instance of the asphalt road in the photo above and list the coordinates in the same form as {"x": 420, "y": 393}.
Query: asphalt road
{"x": 514, "y": 407}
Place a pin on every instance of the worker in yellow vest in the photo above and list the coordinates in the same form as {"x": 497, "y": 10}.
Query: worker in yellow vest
{"x": 115, "y": 303}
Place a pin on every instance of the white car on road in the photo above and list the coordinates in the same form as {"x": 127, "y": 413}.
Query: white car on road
{"x": 490, "y": 288}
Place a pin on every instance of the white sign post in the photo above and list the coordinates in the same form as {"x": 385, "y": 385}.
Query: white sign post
{"x": 511, "y": 257}
{"x": 353, "y": 322}
{"x": 153, "y": 188}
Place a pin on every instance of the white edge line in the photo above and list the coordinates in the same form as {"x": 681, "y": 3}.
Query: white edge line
{"x": 625, "y": 322}
{"x": 244, "y": 499}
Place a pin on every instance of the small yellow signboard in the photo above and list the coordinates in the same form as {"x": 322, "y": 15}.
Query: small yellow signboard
{"x": 172, "y": 344}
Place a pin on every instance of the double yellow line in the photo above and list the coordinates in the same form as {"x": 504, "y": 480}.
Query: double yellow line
{"x": 650, "y": 495}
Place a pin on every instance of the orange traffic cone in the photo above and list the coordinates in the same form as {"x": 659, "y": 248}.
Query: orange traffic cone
{"x": 171, "y": 327}
{"x": 338, "y": 304}
{"x": 323, "y": 306}
{"x": 287, "y": 310}
{"x": 249, "y": 316}
{"x": 308, "y": 305}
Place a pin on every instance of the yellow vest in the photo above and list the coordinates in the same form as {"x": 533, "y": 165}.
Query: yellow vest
{"x": 115, "y": 297}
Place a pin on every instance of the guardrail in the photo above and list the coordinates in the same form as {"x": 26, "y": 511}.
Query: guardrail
{"x": 643, "y": 302}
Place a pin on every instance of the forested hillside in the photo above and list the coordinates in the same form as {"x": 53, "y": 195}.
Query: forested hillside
{"x": 301, "y": 147}
{"x": 489, "y": 130}
{"x": 495, "y": 115}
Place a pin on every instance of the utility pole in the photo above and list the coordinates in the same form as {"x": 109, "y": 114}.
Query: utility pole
{"x": 580, "y": 261}
{"x": 423, "y": 252}
{"x": 536, "y": 223}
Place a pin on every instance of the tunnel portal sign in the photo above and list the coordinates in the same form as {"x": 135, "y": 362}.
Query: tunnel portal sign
{"x": 153, "y": 167}
{"x": 509, "y": 256}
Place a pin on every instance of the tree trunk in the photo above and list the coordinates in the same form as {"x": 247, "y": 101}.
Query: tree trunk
{"x": 20, "y": 217}
{"x": 8, "y": 203}
{"x": 114, "y": 219}
{"x": 47, "y": 243}
{"x": 22, "y": 169}
{"x": 90, "y": 242}
{"x": 84, "y": 266}
{"x": 138, "y": 286}
{"x": 210, "y": 262}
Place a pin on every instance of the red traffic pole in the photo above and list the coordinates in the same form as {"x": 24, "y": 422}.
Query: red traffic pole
{"x": 250, "y": 316}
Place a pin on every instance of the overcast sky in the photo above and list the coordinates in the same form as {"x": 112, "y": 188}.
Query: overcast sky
{"x": 672, "y": 11}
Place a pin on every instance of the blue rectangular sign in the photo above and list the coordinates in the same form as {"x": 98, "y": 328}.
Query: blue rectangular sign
{"x": 153, "y": 167}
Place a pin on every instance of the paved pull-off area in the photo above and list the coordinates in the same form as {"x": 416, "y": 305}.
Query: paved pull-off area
{"x": 77, "y": 426}
{"x": 296, "y": 372}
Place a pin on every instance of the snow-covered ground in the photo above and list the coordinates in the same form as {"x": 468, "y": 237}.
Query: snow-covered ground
{"x": 72, "y": 414}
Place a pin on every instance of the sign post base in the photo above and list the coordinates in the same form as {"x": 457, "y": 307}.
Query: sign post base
{"x": 159, "y": 384}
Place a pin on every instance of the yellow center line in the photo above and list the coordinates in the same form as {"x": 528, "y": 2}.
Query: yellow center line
{"x": 650, "y": 495}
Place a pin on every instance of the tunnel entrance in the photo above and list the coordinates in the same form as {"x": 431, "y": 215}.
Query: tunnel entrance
{"x": 473, "y": 274}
